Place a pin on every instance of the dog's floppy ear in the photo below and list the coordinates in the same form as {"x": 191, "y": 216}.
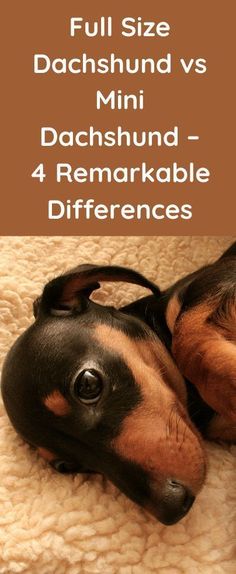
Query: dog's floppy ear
{"x": 67, "y": 292}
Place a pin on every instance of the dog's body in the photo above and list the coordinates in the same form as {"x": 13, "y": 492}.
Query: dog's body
{"x": 196, "y": 320}
{"x": 98, "y": 389}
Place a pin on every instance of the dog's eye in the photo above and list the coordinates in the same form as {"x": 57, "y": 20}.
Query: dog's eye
{"x": 63, "y": 466}
{"x": 88, "y": 387}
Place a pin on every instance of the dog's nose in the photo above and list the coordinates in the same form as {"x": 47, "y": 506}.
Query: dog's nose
{"x": 176, "y": 500}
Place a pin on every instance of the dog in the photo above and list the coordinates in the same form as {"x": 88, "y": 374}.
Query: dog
{"x": 132, "y": 392}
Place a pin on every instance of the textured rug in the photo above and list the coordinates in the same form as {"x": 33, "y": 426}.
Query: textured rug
{"x": 50, "y": 523}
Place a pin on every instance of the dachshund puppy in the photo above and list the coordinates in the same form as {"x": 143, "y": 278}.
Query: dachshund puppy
{"x": 97, "y": 389}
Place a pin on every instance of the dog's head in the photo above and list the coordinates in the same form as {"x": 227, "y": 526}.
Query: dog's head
{"x": 94, "y": 389}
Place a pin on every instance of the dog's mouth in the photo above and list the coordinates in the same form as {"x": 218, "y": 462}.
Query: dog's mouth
{"x": 168, "y": 500}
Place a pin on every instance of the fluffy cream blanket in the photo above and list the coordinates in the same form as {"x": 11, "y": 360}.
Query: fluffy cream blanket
{"x": 50, "y": 523}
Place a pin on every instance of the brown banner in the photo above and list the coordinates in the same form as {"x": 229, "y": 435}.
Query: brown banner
{"x": 176, "y": 104}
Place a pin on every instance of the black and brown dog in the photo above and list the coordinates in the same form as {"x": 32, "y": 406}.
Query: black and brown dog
{"x": 129, "y": 392}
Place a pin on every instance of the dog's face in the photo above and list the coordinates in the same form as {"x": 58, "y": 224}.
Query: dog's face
{"x": 94, "y": 389}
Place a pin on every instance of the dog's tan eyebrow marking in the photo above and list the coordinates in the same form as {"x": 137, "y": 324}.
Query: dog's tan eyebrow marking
{"x": 57, "y": 404}
{"x": 172, "y": 310}
{"x": 133, "y": 351}
{"x": 46, "y": 454}
{"x": 139, "y": 352}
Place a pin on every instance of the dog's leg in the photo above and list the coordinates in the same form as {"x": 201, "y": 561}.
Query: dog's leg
{"x": 204, "y": 346}
{"x": 220, "y": 428}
